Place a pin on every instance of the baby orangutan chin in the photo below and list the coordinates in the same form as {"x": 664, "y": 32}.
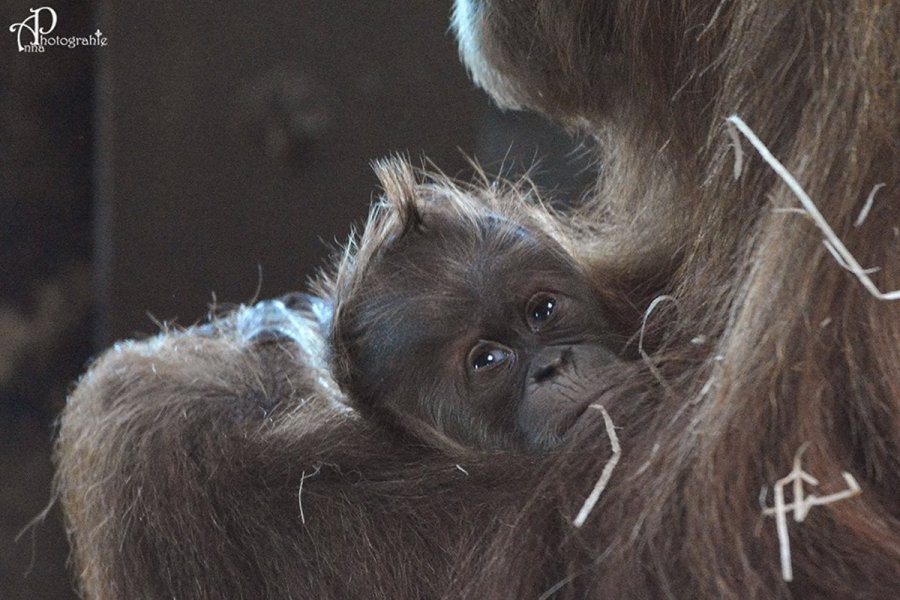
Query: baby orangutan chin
{"x": 461, "y": 318}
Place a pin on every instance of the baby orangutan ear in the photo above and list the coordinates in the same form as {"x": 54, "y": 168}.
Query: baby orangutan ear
{"x": 402, "y": 193}
{"x": 396, "y": 214}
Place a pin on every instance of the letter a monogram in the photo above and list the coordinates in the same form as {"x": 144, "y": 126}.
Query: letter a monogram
{"x": 33, "y": 25}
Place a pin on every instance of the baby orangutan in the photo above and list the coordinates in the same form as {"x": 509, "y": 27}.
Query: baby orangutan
{"x": 461, "y": 319}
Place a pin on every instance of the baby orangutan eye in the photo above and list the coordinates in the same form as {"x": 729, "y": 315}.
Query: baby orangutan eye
{"x": 540, "y": 310}
{"x": 488, "y": 355}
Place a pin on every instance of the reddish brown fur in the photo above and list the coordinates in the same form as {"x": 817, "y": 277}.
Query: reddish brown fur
{"x": 174, "y": 487}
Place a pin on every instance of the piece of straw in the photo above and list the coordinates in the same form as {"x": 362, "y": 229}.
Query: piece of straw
{"x": 849, "y": 261}
{"x": 646, "y": 357}
{"x": 800, "y": 505}
{"x": 738, "y": 152}
{"x": 868, "y": 205}
{"x": 303, "y": 477}
{"x": 607, "y": 470}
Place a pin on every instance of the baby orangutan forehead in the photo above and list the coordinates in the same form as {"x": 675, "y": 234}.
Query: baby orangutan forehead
{"x": 460, "y": 245}
{"x": 446, "y": 277}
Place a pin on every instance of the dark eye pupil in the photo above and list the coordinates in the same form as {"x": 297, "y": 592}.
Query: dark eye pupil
{"x": 489, "y": 358}
{"x": 543, "y": 309}
{"x": 486, "y": 359}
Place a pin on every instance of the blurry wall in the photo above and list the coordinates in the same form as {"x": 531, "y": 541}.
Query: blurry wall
{"x": 248, "y": 129}
{"x": 45, "y": 282}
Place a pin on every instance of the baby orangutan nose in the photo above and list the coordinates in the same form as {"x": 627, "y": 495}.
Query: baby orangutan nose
{"x": 549, "y": 363}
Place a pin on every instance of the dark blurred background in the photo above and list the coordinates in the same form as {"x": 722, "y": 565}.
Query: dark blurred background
{"x": 210, "y": 152}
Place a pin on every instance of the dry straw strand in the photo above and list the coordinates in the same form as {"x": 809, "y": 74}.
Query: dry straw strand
{"x": 591, "y": 500}
{"x": 800, "y": 505}
{"x": 646, "y": 357}
{"x": 868, "y": 205}
{"x": 303, "y": 477}
{"x": 849, "y": 261}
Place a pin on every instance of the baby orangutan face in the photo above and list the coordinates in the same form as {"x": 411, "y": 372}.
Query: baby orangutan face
{"x": 474, "y": 332}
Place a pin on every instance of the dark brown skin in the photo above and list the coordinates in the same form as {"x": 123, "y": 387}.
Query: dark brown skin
{"x": 181, "y": 458}
{"x": 500, "y": 342}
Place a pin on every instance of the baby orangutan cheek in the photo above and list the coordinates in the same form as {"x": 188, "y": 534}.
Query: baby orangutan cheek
{"x": 562, "y": 383}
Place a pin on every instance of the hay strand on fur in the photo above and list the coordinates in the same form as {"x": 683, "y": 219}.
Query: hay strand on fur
{"x": 868, "y": 205}
{"x": 303, "y": 477}
{"x": 738, "y": 152}
{"x": 591, "y": 500}
{"x": 643, "y": 353}
{"x": 800, "y": 505}
{"x": 849, "y": 261}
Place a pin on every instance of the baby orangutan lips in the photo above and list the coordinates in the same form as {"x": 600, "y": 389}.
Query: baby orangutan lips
{"x": 562, "y": 383}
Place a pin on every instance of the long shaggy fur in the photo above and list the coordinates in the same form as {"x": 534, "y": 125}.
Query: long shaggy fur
{"x": 181, "y": 458}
